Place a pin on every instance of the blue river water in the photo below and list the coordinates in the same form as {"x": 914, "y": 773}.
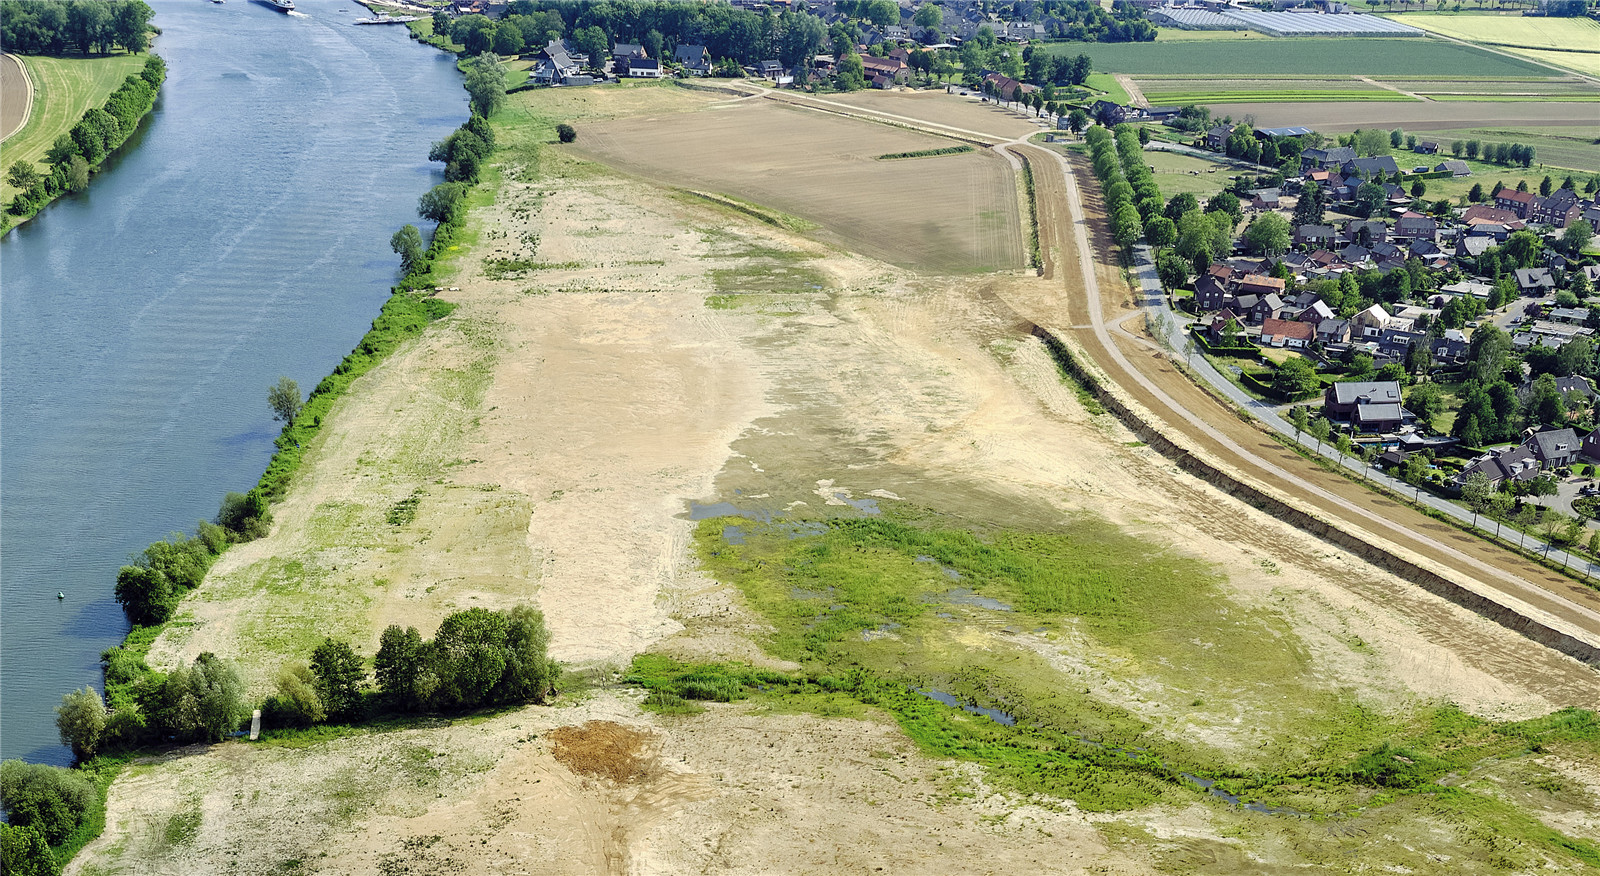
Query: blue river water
{"x": 242, "y": 235}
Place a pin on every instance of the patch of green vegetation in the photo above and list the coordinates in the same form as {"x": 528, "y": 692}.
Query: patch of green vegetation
{"x": 183, "y": 826}
{"x": 1301, "y": 56}
{"x": 405, "y": 510}
{"x": 1277, "y": 95}
{"x": 926, "y": 153}
{"x": 857, "y": 604}
{"x": 763, "y": 275}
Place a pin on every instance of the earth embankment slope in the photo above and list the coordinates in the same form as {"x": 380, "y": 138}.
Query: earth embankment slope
{"x": 624, "y": 353}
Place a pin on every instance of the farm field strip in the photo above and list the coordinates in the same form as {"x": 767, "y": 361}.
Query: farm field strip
{"x": 1295, "y": 56}
{"x": 1587, "y": 63}
{"x": 1278, "y": 96}
{"x": 1579, "y": 34}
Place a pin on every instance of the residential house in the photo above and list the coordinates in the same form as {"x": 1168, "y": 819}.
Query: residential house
{"x": 1315, "y": 313}
{"x": 1264, "y": 199}
{"x": 1257, "y": 309}
{"x": 553, "y": 65}
{"x": 1488, "y": 213}
{"x": 1499, "y": 466}
{"x": 1589, "y": 448}
{"x": 774, "y": 69}
{"x": 1365, "y": 231}
{"x": 1320, "y": 159}
{"x": 1559, "y": 210}
{"x": 1109, "y": 113}
{"x": 1455, "y": 166}
{"x": 1212, "y": 292}
{"x": 1367, "y": 168}
{"x": 1555, "y": 448}
{"x": 1450, "y": 348}
{"x": 644, "y": 68}
{"x": 1534, "y": 281}
{"x": 1518, "y": 203}
{"x": 1217, "y": 137}
{"x": 1575, "y": 391}
{"x": 1415, "y": 226}
{"x": 1308, "y": 236}
{"x": 1334, "y": 331}
{"x": 621, "y": 52}
{"x": 1287, "y": 333}
{"x": 1223, "y": 326}
{"x": 1569, "y": 315}
{"x": 693, "y": 59}
{"x": 1384, "y": 417}
{"x": 1371, "y": 322}
{"x": 1260, "y": 284}
{"x": 1341, "y": 400}
{"x": 1426, "y": 147}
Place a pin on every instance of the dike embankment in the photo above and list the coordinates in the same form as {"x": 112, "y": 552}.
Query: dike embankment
{"x": 1525, "y": 620}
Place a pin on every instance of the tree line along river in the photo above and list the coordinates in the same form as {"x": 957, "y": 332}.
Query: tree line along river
{"x": 241, "y": 234}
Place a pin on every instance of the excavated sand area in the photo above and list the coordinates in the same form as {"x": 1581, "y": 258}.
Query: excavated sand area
{"x": 559, "y": 431}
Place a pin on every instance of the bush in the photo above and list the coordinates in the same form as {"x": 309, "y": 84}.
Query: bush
{"x": 478, "y": 657}
{"x": 566, "y": 133}
{"x": 296, "y": 704}
{"x": 81, "y": 721}
{"x": 49, "y": 799}
{"x": 199, "y": 703}
{"x": 246, "y": 516}
{"x": 24, "y": 852}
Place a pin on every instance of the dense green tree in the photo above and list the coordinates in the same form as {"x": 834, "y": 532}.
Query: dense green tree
{"x": 1295, "y": 379}
{"x": 1125, "y": 227}
{"x": 77, "y": 173}
{"x": 1228, "y": 203}
{"x": 1545, "y": 405}
{"x": 49, "y": 799}
{"x": 566, "y": 133}
{"x": 1576, "y": 238}
{"x": 285, "y": 399}
{"x": 401, "y": 661}
{"x": 1161, "y": 232}
{"x": 1488, "y": 353}
{"x": 1426, "y": 401}
{"x": 1077, "y": 120}
{"x": 529, "y": 675}
{"x": 486, "y": 83}
{"x": 444, "y": 203}
{"x": 928, "y": 15}
{"x": 1268, "y": 234}
{"x": 1523, "y": 248}
{"x": 1172, "y": 269}
{"x": 1370, "y": 198}
{"x": 469, "y": 657}
{"x": 341, "y": 675}
{"x": 81, "y": 722}
{"x": 23, "y": 175}
{"x": 202, "y": 702}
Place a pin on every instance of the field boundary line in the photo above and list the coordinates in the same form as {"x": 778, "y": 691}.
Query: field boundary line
{"x": 27, "y": 106}
{"x": 884, "y": 118}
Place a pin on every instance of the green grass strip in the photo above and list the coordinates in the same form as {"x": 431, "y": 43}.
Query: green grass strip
{"x": 925, "y": 153}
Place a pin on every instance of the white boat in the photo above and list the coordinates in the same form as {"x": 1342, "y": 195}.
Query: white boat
{"x": 280, "y": 5}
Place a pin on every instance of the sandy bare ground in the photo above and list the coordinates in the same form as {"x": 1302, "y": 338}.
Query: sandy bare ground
{"x": 16, "y": 95}
{"x": 560, "y": 425}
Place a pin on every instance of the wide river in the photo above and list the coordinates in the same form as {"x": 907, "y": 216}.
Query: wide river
{"x": 243, "y": 234}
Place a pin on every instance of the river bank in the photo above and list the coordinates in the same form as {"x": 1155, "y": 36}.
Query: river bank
{"x": 258, "y": 208}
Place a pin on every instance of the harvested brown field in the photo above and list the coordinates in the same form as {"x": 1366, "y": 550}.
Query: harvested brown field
{"x": 941, "y": 108}
{"x": 953, "y": 213}
{"x": 16, "y": 95}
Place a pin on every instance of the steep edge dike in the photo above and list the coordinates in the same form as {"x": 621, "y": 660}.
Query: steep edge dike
{"x": 1381, "y": 557}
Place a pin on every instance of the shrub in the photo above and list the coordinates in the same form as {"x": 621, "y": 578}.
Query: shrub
{"x": 49, "y": 799}
{"x": 340, "y": 676}
{"x": 296, "y": 704}
{"x": 81, "y": 721}
{"x": 566, "y": 133}
{"x": 200, "y": 703}
{"x": 24, "y": 852}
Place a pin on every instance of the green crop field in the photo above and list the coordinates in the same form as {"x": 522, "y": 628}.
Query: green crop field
{"x": 1556, "y": 147}
{"x": 1210, "y": 95}
{"x": 1576, "y": 34}
{"x": 1573, "y": 43}
{"x": 63, "y": 90}
{"x": 1325, "y": 56}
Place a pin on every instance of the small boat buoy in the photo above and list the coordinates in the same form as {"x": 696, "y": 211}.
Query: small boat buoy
{"x": 61, "y": 596}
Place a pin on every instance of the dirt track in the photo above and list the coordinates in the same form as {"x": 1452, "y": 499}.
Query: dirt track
{"x": 1064, "y": 220}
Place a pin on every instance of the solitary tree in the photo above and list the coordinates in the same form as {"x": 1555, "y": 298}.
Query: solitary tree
{"x": 1268, "y": 234}
{"x": 566, "y": 133}
{"x": 1478, "y": 493}
{"x": 407, "y": 243}
{"x": 284, "y": 397}
{"x": 1369, "y": 455}
{"x": 1300, "y": 420}
{"x": 1320, "y": 430}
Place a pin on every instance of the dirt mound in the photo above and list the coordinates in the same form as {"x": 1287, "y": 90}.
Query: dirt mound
{"x": 606, "y": 749}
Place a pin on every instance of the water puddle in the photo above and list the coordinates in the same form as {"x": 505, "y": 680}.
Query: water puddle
{"x": 733, "y": 534}
{"x": 1209, "y": 786}
{"x": 995, "y": 715}
{"x": 963, "y": 596}
{"x": 950, "y": 573}
{"x": 698, "y": 511}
